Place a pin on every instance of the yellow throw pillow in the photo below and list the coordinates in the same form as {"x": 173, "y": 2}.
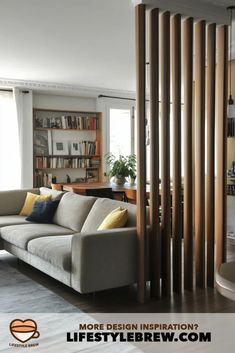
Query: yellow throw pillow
{"x": 115, "y": 219}
{"x": 30, "y": 201}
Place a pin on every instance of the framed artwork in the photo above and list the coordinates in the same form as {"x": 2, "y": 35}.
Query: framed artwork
{"x": 60, "y": 148}
{"x": 41, "y": 143}
{"x": 75, "y": 148}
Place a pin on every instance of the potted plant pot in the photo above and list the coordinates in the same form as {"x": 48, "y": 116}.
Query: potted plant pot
{"x": 119, "y": 180}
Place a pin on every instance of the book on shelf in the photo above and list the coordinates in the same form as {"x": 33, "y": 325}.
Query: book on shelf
{"x": 43, "y": 179}
{"x": 50, "y": 150}
{"x": 65, "y": 162}
{"x": 76, "y": 122}
{"x": 85, "y": 148}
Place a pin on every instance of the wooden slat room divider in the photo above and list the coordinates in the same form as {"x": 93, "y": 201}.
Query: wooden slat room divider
{"x": 188, "y": 151}
{"x": 176, "y": 187}
{"x": 155, "y": 254}
{"x": 221, "y": 144}
{"x": 141, "y": 151}
{"x": 180, "y": 143}
{"x": 210, "y": 184}
{"x": 165, "y": 152}
{"x": 200, "y": 40}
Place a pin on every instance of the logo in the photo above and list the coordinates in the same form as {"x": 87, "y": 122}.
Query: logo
{"x": 24, "y": 330}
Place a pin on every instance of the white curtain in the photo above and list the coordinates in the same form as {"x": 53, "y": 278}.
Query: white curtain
{"x": 18, "y": 105}
{"x": 10, "y": 166}
{"x": 23, "y": 109}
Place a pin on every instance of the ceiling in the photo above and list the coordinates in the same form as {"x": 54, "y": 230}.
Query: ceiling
{"x": 75, "y": 42}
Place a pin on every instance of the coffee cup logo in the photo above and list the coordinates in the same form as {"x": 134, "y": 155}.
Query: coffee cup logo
{"x": 24, "y": 330}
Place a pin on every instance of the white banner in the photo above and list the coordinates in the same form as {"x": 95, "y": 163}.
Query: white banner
{"x": 63, "y": 333}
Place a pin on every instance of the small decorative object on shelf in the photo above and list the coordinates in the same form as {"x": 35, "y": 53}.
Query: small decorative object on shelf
{"x": 121, "y": 167}
{"x": 65, "y": 140}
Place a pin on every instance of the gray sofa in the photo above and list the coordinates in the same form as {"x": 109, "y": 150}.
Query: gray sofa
{"x": 71, "y": 249}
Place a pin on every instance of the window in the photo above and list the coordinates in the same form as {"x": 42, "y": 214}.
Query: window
{"x": 120, "y": 132}
{"x": 9, "y": 143}
{"x": 121, "y": 129}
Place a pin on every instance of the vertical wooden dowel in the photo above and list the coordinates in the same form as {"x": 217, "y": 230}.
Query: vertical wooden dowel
{"x": 165, "y": 153}
{"x": 200, "y": 153}
{"x": 210, "y": 184}
{"x": 141, "y": 149}
{"x": 176, "y": 193}
{"x": 155, "y": 264}
{"x": 221, "y": 145}
{"x": 188, "y": 152}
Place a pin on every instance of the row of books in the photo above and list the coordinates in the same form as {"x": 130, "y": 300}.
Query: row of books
{"x": 62, "y": 162}
{"x": 45, "y": 145}
{"x": 43, "y": 179}
{"x": 67, "y": 122}
{"x": 85, "y": 148}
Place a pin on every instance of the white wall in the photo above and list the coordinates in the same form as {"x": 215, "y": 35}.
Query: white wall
{"x": 50, "y": 101}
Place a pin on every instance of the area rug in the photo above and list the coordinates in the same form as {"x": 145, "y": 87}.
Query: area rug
{"x": 21, "y": 298}
{"x": 20, "y": 294}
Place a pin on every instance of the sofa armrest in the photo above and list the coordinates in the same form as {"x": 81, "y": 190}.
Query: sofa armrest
{"x": 12, "y": 201}
{"x": 104, "y": 259}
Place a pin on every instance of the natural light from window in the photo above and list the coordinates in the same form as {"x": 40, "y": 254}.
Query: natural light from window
{"x": 9, "y": 144}
{"x": 120, "y": 132}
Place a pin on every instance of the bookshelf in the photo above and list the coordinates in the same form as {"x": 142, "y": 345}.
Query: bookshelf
{"x": 66, "y": 146}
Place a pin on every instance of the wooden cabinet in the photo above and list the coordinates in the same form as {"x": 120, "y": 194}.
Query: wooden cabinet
{"x": 66, "y": 146}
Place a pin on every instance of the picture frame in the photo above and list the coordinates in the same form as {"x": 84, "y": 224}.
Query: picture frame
{"x": 75, "y": 148}
{"x": 38, "y": 122}
{"x": 60, "y": 148}
{"x": 41, "y": 143}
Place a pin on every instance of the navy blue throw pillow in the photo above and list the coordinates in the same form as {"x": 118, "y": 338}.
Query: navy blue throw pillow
{"x": 43, "y": 211}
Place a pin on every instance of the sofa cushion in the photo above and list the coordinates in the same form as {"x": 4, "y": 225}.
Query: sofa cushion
{"x": 20, "y": 235}
{"x": 43, "y": 212}
{"x": 101, "y": 208}
{"x": 12, "y": 220}
{"x": 55, "y": 194}
{"x": 11, "y": 201}
{"x": 30, "y": 201}
{"x": 115, "y": 219}
{"x": 55, "y": 250}
{"x": 73, "y": 210}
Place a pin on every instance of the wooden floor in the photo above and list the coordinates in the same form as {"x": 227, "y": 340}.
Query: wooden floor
{"x": 123, "y": 300}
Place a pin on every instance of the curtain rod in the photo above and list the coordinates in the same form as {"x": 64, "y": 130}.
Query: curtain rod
{"x": 129, "y": 99}
{"x": 5, "y": 90}
{"x": 114, "y": 97}
{"x": 11, "y": 90}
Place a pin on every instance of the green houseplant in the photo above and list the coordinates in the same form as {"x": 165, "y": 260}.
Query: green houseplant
{"x": 121, "y": 167}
